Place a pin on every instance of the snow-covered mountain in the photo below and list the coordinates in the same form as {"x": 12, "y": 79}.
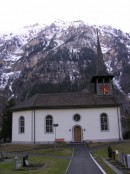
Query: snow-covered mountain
{"x": 61, "y": 57}
{"x": 11, "y": 50}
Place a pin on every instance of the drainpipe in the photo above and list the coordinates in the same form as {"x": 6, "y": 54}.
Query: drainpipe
{"x": 119, "y": 128}
{"x": 34, "y": 126}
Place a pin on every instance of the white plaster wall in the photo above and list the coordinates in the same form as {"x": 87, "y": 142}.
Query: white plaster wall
{"x": 27, "y": 135}
{"x": 90, "y": 124}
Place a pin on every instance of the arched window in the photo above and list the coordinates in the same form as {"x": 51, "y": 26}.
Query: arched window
{"x": 21, "y": 124}
{"x": 49, "y": 124}
{"x": 104, "y": 122}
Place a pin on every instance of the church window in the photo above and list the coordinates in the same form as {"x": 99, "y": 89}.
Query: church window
{"x": 76, "y": 117}
{"x": 21, "y": 124}
{"x": 49, "y": 124}
{"x": 104, "y": 122}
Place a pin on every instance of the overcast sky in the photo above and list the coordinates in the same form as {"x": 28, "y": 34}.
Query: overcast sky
{"x": 15, "y": 14}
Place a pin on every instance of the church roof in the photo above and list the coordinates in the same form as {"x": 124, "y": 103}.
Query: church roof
{"x": 66, "y": 100}
{"x": 101, "y": 70}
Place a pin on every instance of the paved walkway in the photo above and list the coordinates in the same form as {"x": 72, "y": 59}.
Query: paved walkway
{"x": 81, "y": 162}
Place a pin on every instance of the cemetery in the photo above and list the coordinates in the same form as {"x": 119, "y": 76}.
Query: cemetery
{"x": 22, "y": 163}
{"x": 119, "y": 159}
{"x": 111, "y": 160}
{"x": 45, "y": 158}
{"x": 33, "y": 159}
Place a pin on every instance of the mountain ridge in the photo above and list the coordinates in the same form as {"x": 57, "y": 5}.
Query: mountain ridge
{"x": 61, "y": 53}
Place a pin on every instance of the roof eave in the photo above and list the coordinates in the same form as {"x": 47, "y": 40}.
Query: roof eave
{"x": 65, "y": 107}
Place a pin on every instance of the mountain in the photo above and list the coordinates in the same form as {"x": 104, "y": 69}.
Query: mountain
{"x": 61, "y": 57}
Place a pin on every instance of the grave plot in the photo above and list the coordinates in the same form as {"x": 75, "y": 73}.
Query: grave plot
{"x": 23, "y": 163}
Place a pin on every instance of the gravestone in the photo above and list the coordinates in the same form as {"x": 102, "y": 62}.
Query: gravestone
{"x": 109, "y": 151}
{"x": 17, "y": 163}
{"x": 116, "y": 155}
{"x": 124, "y": 157}
{"x": 25, "y": 161}
{"x": 128, "y": 160}
{"x": 120, "y": 159}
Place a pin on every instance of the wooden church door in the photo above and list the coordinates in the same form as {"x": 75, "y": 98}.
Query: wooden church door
{"x": 77, "y": 134}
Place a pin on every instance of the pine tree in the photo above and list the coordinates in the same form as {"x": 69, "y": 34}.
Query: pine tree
{"x": 6, "y": 130}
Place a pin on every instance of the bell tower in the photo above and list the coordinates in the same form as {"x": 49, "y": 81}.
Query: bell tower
{"x": 102, "y": 79}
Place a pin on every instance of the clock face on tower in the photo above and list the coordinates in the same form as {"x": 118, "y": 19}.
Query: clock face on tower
{"x": 104, "y": 89}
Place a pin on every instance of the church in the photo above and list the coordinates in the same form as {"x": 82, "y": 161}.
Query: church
{"x": 70, "y": 117}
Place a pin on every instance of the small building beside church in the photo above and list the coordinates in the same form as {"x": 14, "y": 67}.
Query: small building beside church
{"x": 70, "y": 117}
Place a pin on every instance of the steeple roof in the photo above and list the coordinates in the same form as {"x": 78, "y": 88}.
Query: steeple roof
{"x": 101, "y": 71}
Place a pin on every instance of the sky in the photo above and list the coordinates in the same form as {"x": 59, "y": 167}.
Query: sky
{"x": 15, "y": 14}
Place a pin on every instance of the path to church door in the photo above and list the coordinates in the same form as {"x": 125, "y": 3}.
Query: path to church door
{"x": 77, "y": 134}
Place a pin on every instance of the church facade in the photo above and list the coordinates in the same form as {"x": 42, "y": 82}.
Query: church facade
{"x": 76, "y": 118}
{"x": 70, "y": 117}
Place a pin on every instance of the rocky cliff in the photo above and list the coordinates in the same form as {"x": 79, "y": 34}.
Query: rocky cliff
{"x": 61, "y": 58}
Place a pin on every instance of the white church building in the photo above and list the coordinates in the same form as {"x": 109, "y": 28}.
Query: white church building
{"x": 70, "y": 117}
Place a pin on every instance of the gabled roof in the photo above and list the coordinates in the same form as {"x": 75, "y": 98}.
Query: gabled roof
{"x": 66, "y": 100}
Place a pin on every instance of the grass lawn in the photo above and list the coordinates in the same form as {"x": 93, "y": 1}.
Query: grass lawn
{"x": 101, "y": 152}
{"x": 55, "y": 163}
{"x": 53, "y": 166}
